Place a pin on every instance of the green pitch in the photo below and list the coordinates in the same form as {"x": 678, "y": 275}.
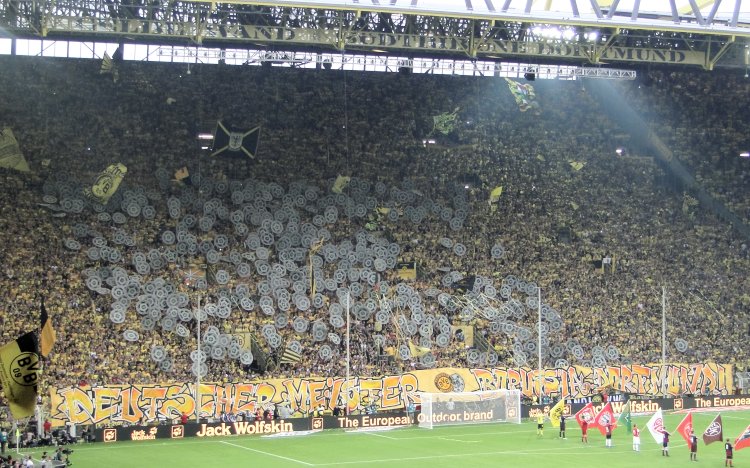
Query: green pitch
{"x": 488, "y": 445}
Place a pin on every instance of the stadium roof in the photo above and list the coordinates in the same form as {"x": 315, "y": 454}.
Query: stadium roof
{"x": 699, "y": 16}
{"x": 696, "y": 33}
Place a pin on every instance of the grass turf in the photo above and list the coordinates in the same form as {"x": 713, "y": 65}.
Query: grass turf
{"x": 447, "y": 446}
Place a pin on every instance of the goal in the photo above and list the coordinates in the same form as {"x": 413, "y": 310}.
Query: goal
{"x": 439, "y": 409}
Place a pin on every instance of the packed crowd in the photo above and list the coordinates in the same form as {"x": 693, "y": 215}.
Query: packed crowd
{"x": 702, "y": 118}
{"x": 554, "y": 220}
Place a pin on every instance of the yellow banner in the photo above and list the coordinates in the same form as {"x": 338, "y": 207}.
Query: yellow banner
{"x": 406, "y": 271}
{"x": 495, "y": 194}
{"x": 418, "y": 351}
{"x": 10, "y": 153}
{"x": 129, "y": 403}
{"x": 340, "y": 184}
{"x": 19, "y": 374}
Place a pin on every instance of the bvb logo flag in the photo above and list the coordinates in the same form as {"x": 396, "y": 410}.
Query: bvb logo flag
{"x": 107, "y": 183}
{"x": 685, "y": 428}
{"x": 19, "y": 374}
{"x": 244, "y": 339}
{"x": 244, "y": 141}
{"x": 406, "y": 271}
{"x": 714, "y": 432}
{"x": 555, "y": 414}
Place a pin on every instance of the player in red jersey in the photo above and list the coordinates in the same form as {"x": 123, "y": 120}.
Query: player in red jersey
{"x": 636, "y": 438}
{"x": 585, "y": 432}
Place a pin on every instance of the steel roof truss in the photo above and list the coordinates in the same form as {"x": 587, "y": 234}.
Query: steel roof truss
{"x": 595, "y": 7}
{"x": 735, "y": 13}
{"x": 675, "y": 15}
{"x": 574, "y": 7}
{"x": 697, "y": 13}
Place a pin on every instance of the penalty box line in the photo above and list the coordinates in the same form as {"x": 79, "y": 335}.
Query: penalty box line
{"x": 267, "y": 453}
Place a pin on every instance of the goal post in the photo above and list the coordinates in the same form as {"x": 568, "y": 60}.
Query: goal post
{"x": 440, "y": 409}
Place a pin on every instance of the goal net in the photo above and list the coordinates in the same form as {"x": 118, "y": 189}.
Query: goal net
{"x": 439, "y": 409}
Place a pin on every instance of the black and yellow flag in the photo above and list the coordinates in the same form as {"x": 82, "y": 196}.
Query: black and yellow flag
{"x": 182, "y": 175}
{"x": 290, "y": 356}
{"x": 244, "y": 339}
{"x": 406, "y": 271}
{"x": 211, "y": 275}
{"x": 47, "y": 335}
{"x": 243, "y": 141}
{"x": 19, "y": 374}
{"x": 465, "y": 285}
{"x": 107, "y": 183}
{"x": 110, "y": 66}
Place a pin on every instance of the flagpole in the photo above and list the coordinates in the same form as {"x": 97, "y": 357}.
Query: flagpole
{"x": 539, "y": 338}
{"x": 663, "y": 337}
{"x": 198, "y": 374}
{"x": 348, "y": 355}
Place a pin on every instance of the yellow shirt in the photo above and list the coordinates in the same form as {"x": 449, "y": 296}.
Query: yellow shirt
{"x": 540, "y": 419}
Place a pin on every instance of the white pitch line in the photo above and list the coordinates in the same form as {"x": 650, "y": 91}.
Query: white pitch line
{"x": 468, "y": 434}
{"x": 457, "y": 440}
{"x": 375, "y": 434}
{"x": 463, "y": 455}
{"x": 267, "y": 453}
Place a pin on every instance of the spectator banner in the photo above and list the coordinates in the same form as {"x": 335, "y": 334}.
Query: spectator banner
{"x": 131, "y": 403}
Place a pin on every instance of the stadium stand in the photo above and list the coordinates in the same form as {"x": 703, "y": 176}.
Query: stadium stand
{"x": 568, "y": 201}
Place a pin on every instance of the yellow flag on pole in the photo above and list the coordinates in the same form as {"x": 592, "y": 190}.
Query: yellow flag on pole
{"x": 418, "y": 351}
{"x": 555, "y": 414}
